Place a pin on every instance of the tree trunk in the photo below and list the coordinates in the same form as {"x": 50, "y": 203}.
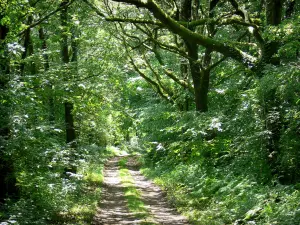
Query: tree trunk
{"x": 189, "y": 11}
{"x": 7, "y": 176}
{"x": 46, "y": 68}
{"x": 290, "y": 8}
{"x": 201, "y": 106}
{"x": 28, "y": 49}
{"x": 204, "y": 87}
{"x": 64, "y": 35}
{"x": 274, "y": 12}
{"x": 186, "y": 10}
{"x": 272, "y": 115}
{"x": 192, "y": 49}
{"x": 185, "y": 76}
{"x": 200, "y": 79}
{"x": 69, "y": 119}
{"x": 71, "y": 135}
{"x": 200, "y": 82}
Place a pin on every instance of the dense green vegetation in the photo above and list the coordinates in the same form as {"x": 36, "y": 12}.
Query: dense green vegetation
{"x": 207, "y": 92}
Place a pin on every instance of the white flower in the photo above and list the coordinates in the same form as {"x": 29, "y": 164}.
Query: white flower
{"x": 220, "y": 91}
{"x": 215, "y": 124}
{"x": 160, "y": 147}
{"x": 15, "y": 48}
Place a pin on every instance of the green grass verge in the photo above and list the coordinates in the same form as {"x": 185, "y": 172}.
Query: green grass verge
{"x": 83, "y": 204}
{"x": 219, "y": 197}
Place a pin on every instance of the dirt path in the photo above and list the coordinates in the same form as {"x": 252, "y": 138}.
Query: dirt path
{"x": 113, "y": 206}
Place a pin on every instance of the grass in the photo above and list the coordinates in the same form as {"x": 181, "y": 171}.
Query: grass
{"x": 133, "y": 195}
{"x": 83, "y": 204}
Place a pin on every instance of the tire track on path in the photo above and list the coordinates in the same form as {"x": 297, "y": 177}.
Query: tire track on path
{"x": 113, "y": 208}
{"x": 155, "y": 198}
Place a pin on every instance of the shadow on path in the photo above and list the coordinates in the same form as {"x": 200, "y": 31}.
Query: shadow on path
{"x": 113, "y": 206}
{"x": 155, "y": 199}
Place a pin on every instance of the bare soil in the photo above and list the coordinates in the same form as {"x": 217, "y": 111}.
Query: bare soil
{"x": 113, "y": 206}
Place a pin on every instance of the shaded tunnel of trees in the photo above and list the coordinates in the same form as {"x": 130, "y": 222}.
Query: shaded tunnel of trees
{"x": 211, "y": 84}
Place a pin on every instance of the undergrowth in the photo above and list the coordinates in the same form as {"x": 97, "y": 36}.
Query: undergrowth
{"x": 238, "y": 163}
{"x": 220, "y": 197}
{"x": 48, "y": 197}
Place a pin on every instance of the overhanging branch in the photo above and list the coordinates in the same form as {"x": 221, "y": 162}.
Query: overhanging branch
{"x": 45, "y": 17}
{"x": 135, "y": 21}
{"x": 187, "y": 34}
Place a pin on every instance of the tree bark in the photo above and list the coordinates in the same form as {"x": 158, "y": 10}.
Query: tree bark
{"x": 69, "y": 119}
{"x": 272, "y": 114}
{"x": 46, "y": 68}
{"x": 290, "y": 8}
{"x": 200, "y": 79}
{"x": 192, "y": 49}
{"x": 184, "y": 74}
{"x": 204, "y": 88}
{"x": 28, "y": 50}
{"x": 7, "y": 176}
{"x": 274, "y": 12}
{"x": 200, "y": 75}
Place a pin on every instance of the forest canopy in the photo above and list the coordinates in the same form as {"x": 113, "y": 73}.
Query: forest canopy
{"x": 208, "y": 92}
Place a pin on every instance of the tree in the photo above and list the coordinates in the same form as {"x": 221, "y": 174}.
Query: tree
{"x": 7, "y": 177}
{"x": 185, "y": 26}
{"x": 69, "y": 119}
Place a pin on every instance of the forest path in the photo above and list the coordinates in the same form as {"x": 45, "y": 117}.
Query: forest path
{"x": 116, "y": 207}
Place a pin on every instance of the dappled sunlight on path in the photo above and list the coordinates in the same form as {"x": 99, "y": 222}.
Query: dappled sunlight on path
{"x": 113, "y": 206}
{"x": 155, "y": 199}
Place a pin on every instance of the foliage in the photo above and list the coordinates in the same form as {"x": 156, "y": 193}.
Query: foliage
{"x": 49, "y": 193}
{"x": 219, "y": 196}
{"x": 47, "y": 197}
{"x": 215, "y": 166}
{"x": 134, "y": 78}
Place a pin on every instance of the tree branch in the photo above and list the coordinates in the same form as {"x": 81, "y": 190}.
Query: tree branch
{"x": 171, "y": 75}
{"x": 45, "y": 17}
{"x": 244, "y": 14}
{"x": 164, "y": 46}
{"x": 189, "y": 35}
{"x": 216, "y": 63}
{"x": 92, "y": 6}
{"x": 131, "y": 20}
{"x": 148, "y": 80}
{"x": 157, "y": 77}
